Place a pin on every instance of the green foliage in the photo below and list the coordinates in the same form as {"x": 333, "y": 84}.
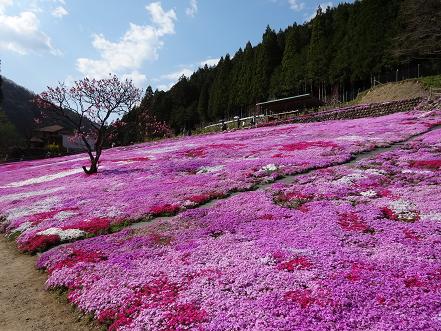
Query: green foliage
{"x": 339, "y": 50}
{"x": 1, "y": 93}
{"x": 9, "y": 136}
{"x": 53, "y": 148}
{"x": 140, "y": 123}
{"x": 318, "y": 45}
{"x": 432, "y": 81}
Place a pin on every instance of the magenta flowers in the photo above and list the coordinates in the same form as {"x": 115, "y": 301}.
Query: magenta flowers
{"x": 319, "y": 253}
{"x": 51, "y": 201}
{"x": 348, "y": 246}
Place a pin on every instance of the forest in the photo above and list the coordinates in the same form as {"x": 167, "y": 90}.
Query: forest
{"x": 335, "y": 55}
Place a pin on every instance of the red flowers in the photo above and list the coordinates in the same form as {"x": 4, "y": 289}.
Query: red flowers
{"x": 355, "y": 274}
{"x": 166, "y": 209}
{"x": 78, "y": 256}
{"x": 389, "y": 214}
{"x": 158, "y": 293}
{"x": 410, "y": 234}
{"x": 307, "y": 144}
{"x": 298, "y": 263}
{"x": 200, "y": 198}
{"x": 413, "y": 281}
{"x": 302, "y": 297}
{"x": 185, "y": 315}
{"x": 95, "y": 225}
{"x": 292, "y": 199}
{"x": 427, "y": 164}
{"x": 196, "y": 152}
{"x": 40, "y": 243}
{"x": 352, "y": 222}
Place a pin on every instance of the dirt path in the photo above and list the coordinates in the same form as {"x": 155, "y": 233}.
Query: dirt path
{"x": 24, "y": 304}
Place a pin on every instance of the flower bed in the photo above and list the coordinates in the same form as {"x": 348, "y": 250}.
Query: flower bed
{"x": 47, "y": 199}
{"x": 318, "y": 254}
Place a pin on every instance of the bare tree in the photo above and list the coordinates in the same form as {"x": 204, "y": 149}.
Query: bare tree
{"x": 94, "y": 104}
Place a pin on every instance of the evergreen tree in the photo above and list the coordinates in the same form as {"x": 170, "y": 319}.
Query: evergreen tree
{"x": 339, "y": 50}
{"x": 203, "y": 104}
{"x": 246, "y": 93}
{"x": 268, "y": 56}
{"x": 147, "y": 100}
{"x": 317, "y": 60}
{"x": 219, "y": 93}
{"x": 294, "y": 60}
{"x": 1, "y": 92}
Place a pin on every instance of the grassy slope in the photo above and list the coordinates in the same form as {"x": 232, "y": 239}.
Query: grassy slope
{"x": 432, "y": 81}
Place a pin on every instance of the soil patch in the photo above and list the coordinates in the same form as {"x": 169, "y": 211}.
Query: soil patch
{"x": 394, "y": 92}
{"x": 24, "y": 303}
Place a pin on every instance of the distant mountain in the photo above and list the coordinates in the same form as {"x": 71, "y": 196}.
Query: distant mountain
{"x": 21, "y": 112}
{"x": 18, "y": 107}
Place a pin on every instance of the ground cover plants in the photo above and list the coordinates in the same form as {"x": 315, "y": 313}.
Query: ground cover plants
{"x": 353, "y": 246}
{"x": 48, "y": 202}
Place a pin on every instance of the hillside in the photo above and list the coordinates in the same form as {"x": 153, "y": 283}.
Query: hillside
{"x": 21, "y": 112}
{"x": 394, "y": 92}
{"x": 334, "y": 57}
{"x": 18, "y": 107}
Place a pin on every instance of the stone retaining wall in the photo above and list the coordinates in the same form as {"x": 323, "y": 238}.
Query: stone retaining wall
{"x": 359, "y": 111}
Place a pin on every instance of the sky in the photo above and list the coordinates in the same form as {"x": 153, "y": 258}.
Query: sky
{"x": 43, "y": 42}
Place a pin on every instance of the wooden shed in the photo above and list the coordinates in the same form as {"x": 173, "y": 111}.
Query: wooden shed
{"x": 297, "y": 102}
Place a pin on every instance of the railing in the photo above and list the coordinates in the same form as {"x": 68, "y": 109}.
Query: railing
{"x": 435, "y": 92}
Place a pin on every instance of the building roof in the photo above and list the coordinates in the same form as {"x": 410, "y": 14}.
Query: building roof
{"x": 51, "y": 128}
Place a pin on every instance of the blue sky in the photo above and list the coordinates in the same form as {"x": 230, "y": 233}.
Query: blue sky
{"x": 152, "y": 42}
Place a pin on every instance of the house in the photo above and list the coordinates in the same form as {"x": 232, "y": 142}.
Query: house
{"x": 56, "y": 136}
{"x": 48, "y": 135}
{"x": 74, "y": 144}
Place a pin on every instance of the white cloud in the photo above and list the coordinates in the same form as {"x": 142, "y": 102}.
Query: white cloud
{"x": 209, "y": 62}
{"x": 165, "y": 82}
{"x": 192, "y": 10}
{"x": 165, "y": 21}
{"x": 174, "y": 76}
{"x": 165, "y": 87}
{"x": 59, "y": 12}
{"x": 21, "y": 33}
{"x": 127, "y": 55}
{"x": 296, "y": 5}
{"x": 138, "y": 44}
{"x": 4, "y": 4}
{"x": 323, "y": 6}
{"x": 137, "y": 78}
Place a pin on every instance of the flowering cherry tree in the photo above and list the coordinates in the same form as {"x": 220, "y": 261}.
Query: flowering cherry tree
{"x": 93, "y": 103}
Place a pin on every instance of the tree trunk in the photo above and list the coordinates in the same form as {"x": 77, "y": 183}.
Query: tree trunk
{"x": 93, "y": 168}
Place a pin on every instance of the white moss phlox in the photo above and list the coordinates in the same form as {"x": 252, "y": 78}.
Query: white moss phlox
{"x": 64, "y": 235}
